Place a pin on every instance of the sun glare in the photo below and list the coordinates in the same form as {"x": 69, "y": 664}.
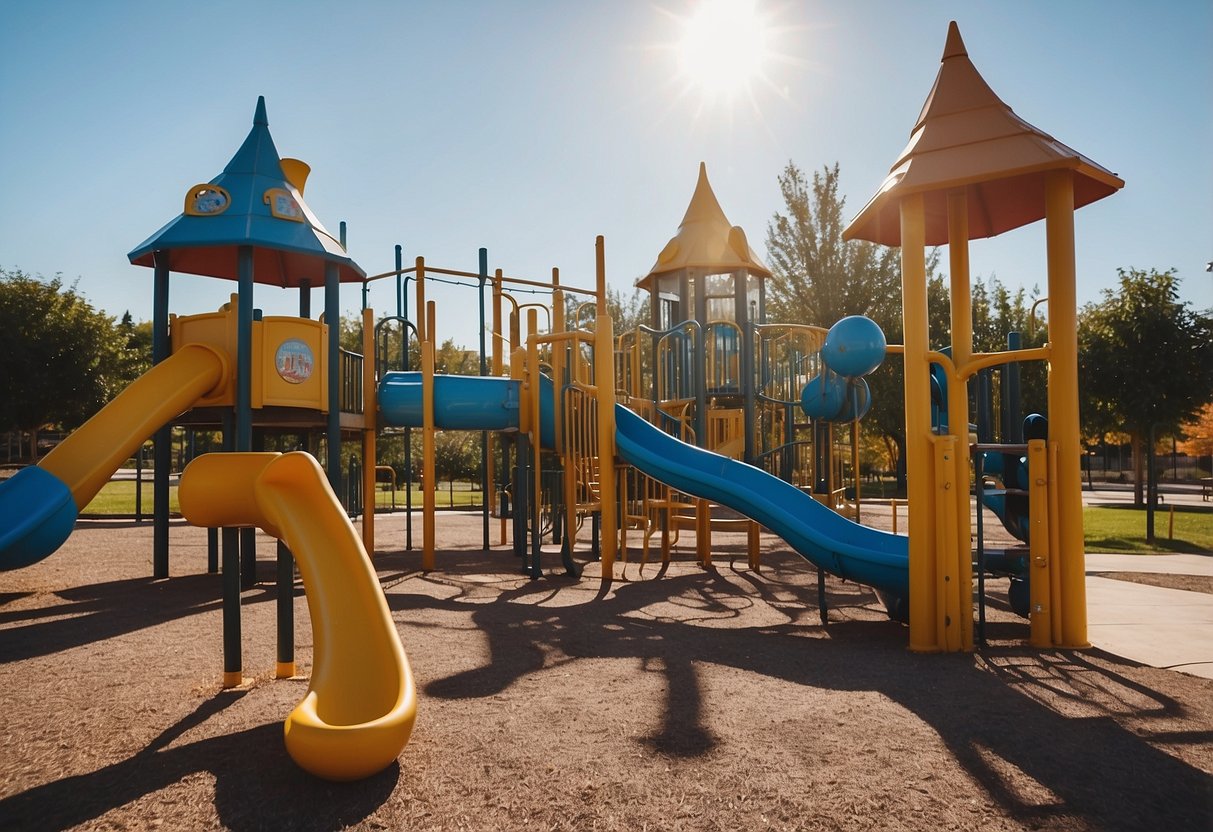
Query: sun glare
{"x": 724, "y": 46}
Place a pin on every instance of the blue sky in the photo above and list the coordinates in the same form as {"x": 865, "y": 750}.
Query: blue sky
{"x": 530, "y": 127}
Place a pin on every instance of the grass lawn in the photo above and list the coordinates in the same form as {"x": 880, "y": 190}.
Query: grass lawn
{"x": 1123, "y": 529}
{"x": 1107, "y": 529}
{"x": 462, "y": 495}
{"x": 118, "y": 497}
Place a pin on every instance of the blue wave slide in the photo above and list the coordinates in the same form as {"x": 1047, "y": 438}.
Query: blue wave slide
{"x": 818, "y": 534}
{"x": 823, "y": 537}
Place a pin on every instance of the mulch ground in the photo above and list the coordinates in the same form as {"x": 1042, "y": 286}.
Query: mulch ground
{"x": 675, "y": 699}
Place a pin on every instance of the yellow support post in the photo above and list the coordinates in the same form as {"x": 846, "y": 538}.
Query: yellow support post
{"x": 573, "y": 441}
{"x": 925, "y": 609}
{"x": 754, "y": 545}
{"x": 855, "y": 467}
{"x": 1054, "y": 546}
{"x": 370, "y": 407}
{"x": 567, "y": 460}
{"x": 427, "y": 440}
{"x": 703, "y": 532}
{"x": 1063, "y": 405}
{"x": 498, "y": 371}
{"x": 604, "y": 380}
{"x": 422, "y": 335}
{"x": 1040, "y": 566}
{"x": 946, "y": 555}
{"x": 557, "y": 358}
{"x": 535, "y": 505}
{"x": 498, "y": 366}
{"x": 958, "y": 410}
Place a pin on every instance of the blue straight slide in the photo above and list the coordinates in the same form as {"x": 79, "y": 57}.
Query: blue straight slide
{"x": 823, "y": 537}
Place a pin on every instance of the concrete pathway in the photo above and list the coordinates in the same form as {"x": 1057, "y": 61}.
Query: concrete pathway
{"x": 1168, "y": 628}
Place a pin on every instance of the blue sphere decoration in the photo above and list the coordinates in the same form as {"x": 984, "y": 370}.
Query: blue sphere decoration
{"x": 858, "y": 401}
{"x": 1035, "y": 426}
{"x": 824, "y": 396}
{"x": 854, "y": 346}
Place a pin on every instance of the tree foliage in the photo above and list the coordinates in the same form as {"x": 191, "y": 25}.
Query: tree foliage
{"x": 448, "y": 357}
{"x": 1145, "y": 359}
{"x": 818, "y": 278}
{"x": 1198, "y": 433}
{"x": 627, "y": 311}
{"x": 456, "y": 455}
{"x": 61, "y": 360}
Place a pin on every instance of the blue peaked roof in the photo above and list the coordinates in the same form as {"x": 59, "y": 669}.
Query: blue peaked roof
{"x": 250, "y": 204}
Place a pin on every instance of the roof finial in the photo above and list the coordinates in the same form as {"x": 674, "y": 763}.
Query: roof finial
{"x": 259, "y": 117}
{"x": 954, "y": 47}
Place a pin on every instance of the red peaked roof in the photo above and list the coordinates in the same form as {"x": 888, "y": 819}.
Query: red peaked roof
{"x": 966, "y": 137}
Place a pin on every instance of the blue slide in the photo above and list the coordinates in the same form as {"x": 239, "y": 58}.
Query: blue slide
{"x": 823, "y": 537}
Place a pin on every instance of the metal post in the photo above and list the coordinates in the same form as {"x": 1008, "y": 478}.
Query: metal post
{"x": 925, "y": 607}
{"x": 427, "y": 452}
{"x": 212, "y": 551}
{"x": 232, "y": 662}
{"x": 1064, "y": 427}
{"x": 139, "y": 485}
{"x": 484, "y": 435}
{"x": 286, "y": 612}
{"x": 979, "y": 460}
{"x": 332, "y": 318}
{"x": 162, "y": 451}
{"x": 244, "y": 390}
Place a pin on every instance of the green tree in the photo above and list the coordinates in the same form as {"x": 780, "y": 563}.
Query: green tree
{"x": 60, "y": 359}
{"x": 627, "y": 311}
{"x": 997, "y": 312}
{"x": 1146, "y": 362}
{"x": 456, "y": 457}
{"x": 449, "y": 357}
{"x": 818, "y": 278}
{"x": 137, "y": 346}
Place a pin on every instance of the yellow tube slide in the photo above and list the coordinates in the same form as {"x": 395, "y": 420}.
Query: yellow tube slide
{"x": 87, "y": 458}
{"x": 361, "y": 704}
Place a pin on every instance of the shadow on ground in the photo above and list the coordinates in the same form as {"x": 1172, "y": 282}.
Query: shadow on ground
{"x": 1005, "y": 713}
{"x": 257, "y": 785}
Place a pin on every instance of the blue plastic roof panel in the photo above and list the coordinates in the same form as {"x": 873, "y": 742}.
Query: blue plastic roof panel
{"x": 250, "y": 203}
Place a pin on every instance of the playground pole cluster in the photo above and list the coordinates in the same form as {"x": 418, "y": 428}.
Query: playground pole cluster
{"x": 974, "y": 169}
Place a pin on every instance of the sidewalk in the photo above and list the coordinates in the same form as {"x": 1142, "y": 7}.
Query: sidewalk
{"x": 1167, "y": 628}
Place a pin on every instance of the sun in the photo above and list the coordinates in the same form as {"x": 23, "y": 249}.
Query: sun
{"x": 724, "y": 47}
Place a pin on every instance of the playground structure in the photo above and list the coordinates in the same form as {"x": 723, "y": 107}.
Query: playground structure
{"x": 701, "y": 405}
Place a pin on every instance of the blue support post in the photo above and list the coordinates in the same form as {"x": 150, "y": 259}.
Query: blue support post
{"x": 484, "y": 436}
{"x": 332, "y": 317}
{"x": 699, "y": 366}
{"x": 162, "y": 448}
{"x": 400, "y": 289}
{"x": 244, "y": 394}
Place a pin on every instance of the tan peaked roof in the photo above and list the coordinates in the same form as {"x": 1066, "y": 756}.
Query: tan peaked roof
{"x": 705, "y": 239}
{"x": 967, "y": 137}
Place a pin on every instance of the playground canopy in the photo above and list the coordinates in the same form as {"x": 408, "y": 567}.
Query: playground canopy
{"x": 966, "y": 137}
{"x": 705, "y": 239}
{"x": 251, "y": 203}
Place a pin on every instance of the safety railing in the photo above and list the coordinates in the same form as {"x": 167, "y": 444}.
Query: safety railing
{"x": 350, "y": 379}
